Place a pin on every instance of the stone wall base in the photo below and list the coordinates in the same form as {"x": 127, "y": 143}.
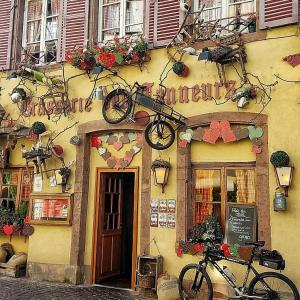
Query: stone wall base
{"x": 58, "y": 273}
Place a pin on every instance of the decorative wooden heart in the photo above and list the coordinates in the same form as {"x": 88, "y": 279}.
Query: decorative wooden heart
{"x": 123, "y": 163}
{"x": 118, "y": 145}
{"x": 255, "y": 132}
{"x": 182, "y": 143}
{"x": 132, "y": 136}
{"x": 104, "y": 138}
{"x": 101, "y": 150}
{"x": 112, "y": 139}
{"x": 124, "y": 139}
{"x": 241, "y": 133}
{"x": 211, "y": 136}
{"x": 198, "y": 134}
{"x": 95, "y": 141}
{"x": 111, "y": 162}
{"x": 106, "y": 155}
{"x": 128, "y": 158}
{"x": 186, "y": 135}
{"x": 256, "y": 149}
{"x": 257, "y": 142}
{"x": 136, "y": 149}
{"x": 118, "y": 164}
{"x": 226, "y": 132}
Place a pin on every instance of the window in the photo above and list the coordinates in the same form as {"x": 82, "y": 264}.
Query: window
{"x": 40, "y": 32}
{"x": 219, "y": 9}
{"x": 227, "y": 10}
{"x": 15, "y": 187}
{"x": 215, "y": 186}
{"x": 123, "y": 17}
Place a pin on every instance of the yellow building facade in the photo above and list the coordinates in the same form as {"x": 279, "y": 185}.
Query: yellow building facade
{"x": 69, "y": 252}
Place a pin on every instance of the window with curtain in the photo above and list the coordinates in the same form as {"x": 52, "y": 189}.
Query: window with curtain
{"x": 226, "y": 9}
{"x": 40, "y": 35}
{"x": 15, "y": 187}
{"x": 216, "y": 185}
{"x": 120, "y": 18}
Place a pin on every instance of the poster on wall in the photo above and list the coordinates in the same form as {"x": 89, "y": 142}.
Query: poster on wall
{"x": 154, "y": 205}
{"x": 162, "y": 220}
{"x": 171, "y": 206}
{"x": 163, "y": 206}
{"x": 37, "y": 183}
{"x": 171, "y": 220}
{"x": 154, "y": 220}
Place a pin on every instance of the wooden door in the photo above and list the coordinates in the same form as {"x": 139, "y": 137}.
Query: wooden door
{"x": 110, "y": 226}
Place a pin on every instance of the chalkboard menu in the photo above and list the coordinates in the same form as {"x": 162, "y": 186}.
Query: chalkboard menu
{"x": 241, "y": 224}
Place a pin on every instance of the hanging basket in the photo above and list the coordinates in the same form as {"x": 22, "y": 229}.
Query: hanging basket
{"x": 280, "y": 159}
{"x": 146, "y": 278}
{"x": 145, "y": 281}
{"x": 180, "y": 69}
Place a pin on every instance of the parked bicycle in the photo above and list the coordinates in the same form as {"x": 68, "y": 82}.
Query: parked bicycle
{"x": 195, "y": 283}
{"x": 160, "y": 132}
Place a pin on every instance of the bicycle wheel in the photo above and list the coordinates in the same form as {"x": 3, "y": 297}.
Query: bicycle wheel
{"x": 117, "y": 106}
{"x": 159, "y": 134}
{"x": 194, "y": 283}
{"x": 273, "y": 286}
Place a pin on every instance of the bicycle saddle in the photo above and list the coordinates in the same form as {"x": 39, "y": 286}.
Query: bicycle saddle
{"x": 256, "y": 244}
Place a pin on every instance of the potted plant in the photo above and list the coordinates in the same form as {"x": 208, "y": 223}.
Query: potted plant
{"x": 251, "y": 23}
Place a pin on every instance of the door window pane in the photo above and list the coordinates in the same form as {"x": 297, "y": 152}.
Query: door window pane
{"x": 52, "y": 7}
{"x": 240, "y": 186}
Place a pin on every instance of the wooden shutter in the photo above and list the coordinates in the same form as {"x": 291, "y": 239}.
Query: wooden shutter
{"x": 75, "y": 24}
{"x": 6, "y": 18}
{"x": 163, "y": 21}
{"x": 274, "y": 13}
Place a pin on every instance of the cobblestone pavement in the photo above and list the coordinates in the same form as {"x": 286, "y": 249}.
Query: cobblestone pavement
{"x": 25, "y": 289}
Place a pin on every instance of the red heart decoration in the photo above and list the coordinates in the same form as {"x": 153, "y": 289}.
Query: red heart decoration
{"x": 179, "y": 251}
{"x": 95, "y": 141}
{"x": 118, "y": 145}
{"x": 256, "y": 149}
{"x": 8, "y": 229}
{"x": 182, "y": 143}
{"x": 211, "y": 136}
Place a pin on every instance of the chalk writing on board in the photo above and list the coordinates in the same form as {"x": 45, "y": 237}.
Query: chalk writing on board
{"x": 241, "y": 224}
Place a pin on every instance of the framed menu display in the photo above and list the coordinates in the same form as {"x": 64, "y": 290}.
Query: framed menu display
{"x": 50, "y": 209}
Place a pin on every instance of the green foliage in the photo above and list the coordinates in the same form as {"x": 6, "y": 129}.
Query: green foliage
{"x": 11, "y": 217}
{"x": 210, "y": 229}
{"x": 280, "y": 159}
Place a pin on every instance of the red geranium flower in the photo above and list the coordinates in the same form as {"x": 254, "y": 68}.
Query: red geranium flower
{"x": 117, "y": 40}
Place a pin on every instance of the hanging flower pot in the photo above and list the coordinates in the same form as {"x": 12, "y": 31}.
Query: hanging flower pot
{"x": 58, "y": 150}
{"x": 75, "y": 140}
{"x": 18, "y": 94}
{"x": 38, "y": 127}
{"x": 180, "y": 69}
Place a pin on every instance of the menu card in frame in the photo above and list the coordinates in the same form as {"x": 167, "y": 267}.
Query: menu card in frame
{"x": 50, "y": 209}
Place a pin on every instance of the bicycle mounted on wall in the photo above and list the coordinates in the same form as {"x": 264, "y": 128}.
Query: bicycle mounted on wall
{"x": 160, "y": 132}
{"x": 195, "y": 282}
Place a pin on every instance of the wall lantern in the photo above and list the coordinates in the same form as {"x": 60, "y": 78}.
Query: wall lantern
{"x": 284, "y": 177}
{"x": 284, "y": 173}
{"x": 161, "y": 169}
